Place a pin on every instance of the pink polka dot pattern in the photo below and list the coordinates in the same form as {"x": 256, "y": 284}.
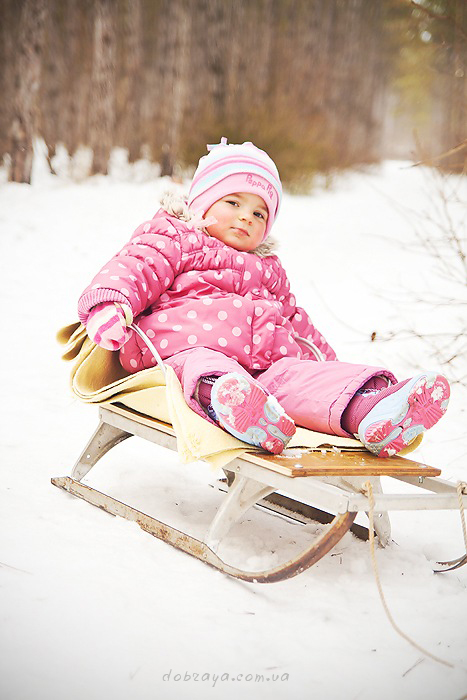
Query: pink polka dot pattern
{"x": 187, "y": 290}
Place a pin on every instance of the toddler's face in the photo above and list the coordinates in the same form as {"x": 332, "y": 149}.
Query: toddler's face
{"x": 241, "y": 220}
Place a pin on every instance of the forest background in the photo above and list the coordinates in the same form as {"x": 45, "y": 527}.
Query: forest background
{"x": 319, "y": 84}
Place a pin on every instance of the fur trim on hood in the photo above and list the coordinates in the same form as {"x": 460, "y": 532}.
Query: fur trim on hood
{"x": 176, "y": 205}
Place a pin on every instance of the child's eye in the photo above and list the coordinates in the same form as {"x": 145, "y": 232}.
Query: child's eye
{"x": 232, "y": 201}
{"x": 259, "y": 214}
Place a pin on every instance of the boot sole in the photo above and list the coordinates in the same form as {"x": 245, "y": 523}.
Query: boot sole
{"x": 246, "y": 411}
{"x": 398, "y": 419}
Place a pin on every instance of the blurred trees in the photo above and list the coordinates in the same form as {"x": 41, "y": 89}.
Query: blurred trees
{"x": 24, "y": 83}
{"x": 312, "y": 81}
{"x": 429, "y": 90}
{"x": 446, "y": 24}
{"x": 102, "y": 114}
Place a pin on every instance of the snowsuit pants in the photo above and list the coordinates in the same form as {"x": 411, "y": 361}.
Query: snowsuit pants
{"x": 314, "y": 394}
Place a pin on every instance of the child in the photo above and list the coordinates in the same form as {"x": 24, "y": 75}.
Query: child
{"x": 202, "y": 281}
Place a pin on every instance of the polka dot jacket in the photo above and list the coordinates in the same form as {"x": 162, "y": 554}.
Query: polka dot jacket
{"x": 188, "y": 290}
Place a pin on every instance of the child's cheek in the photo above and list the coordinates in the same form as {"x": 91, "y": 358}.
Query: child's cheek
{"x": 223, "y": 218}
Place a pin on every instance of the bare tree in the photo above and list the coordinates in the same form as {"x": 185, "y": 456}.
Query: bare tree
{"x": 131, "y": 79}
{"x": 27, "y": 84}
{"x": 54, "y": 80}
{"x": 78, "y": 31}
{"x": 102, "y": 100}
{"x": 440, "y": 234}
{"x": 175, "y": 81}
{"x": 8, "y": 35}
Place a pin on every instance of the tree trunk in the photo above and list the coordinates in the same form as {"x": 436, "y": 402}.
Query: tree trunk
{"x": 102, "y": 102}
{"x": 54, "y": 83}
{"x": 78, "y": 65}
{"x": 8, "y": 39}
{"x": 176, "y": 83}
{"x": 23, "y": 128}
{"x": 133, "y": 64}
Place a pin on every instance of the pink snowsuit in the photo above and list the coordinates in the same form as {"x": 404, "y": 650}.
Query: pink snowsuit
{"x": 210, "y": 309}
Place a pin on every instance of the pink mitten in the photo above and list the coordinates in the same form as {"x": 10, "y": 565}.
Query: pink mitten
{"x": 107, "y": 326}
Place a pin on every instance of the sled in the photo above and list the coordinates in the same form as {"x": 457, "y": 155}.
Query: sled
{"x": 305, "y": 484}
{"x": 325, "y": 478}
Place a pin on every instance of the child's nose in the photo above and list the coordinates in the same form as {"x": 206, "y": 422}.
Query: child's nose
{"x": 245, "y": 215}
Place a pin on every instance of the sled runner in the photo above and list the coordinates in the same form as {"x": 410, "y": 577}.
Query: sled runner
{"x": 331, "y": 480}
{"x": 325, "y": 478}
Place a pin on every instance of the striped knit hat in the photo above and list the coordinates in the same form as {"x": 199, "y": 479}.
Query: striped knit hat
{"x": 234, "y": 168}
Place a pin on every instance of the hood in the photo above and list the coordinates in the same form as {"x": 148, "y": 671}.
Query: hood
{"x": 176, "y": 205}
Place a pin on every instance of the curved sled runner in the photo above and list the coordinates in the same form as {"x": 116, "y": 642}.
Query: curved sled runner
{"x": 321, "y": 477}
{"x": 302, "y": 483}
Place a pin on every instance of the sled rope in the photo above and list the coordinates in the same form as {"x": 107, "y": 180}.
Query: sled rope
{"x": 369, "y": 493}
{"x": 461, "y": 489}
{"x": 150, "y": 345}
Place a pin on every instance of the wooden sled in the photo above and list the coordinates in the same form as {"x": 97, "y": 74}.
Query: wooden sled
{"x": 304, "y": 483}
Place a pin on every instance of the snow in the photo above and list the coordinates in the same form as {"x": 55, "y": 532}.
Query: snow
{"x": 91, "y": 606}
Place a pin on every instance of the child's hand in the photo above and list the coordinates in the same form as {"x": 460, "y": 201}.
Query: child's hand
{"x": 107, "y": 326}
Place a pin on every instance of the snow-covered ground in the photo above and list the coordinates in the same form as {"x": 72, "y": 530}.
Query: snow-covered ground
{"x": 91, "y": 607}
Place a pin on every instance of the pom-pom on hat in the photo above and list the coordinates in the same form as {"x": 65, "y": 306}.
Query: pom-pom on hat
{"x": 232, "y": 168}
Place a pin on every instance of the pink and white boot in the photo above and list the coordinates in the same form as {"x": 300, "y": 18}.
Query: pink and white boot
{"x": 402, "y": 412}
{"x": 245, "y": 410}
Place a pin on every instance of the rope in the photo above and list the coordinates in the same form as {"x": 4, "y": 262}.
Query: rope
{"x": 369, "y": 492}
{"x": 151, "y": 347}
{"x": 461, "y": 488}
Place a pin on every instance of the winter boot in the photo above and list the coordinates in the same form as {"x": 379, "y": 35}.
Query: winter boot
{"x": 245, "y": 410}
{"x": 390, "y": 419}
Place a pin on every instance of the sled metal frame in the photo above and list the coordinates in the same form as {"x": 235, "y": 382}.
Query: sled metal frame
{"x": 251, "y": 483}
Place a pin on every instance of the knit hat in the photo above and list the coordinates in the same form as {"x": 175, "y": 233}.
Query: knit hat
{"x": 232, "y": 168}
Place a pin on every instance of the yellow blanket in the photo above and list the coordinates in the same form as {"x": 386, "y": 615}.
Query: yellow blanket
{"x": 98, "y": 377}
